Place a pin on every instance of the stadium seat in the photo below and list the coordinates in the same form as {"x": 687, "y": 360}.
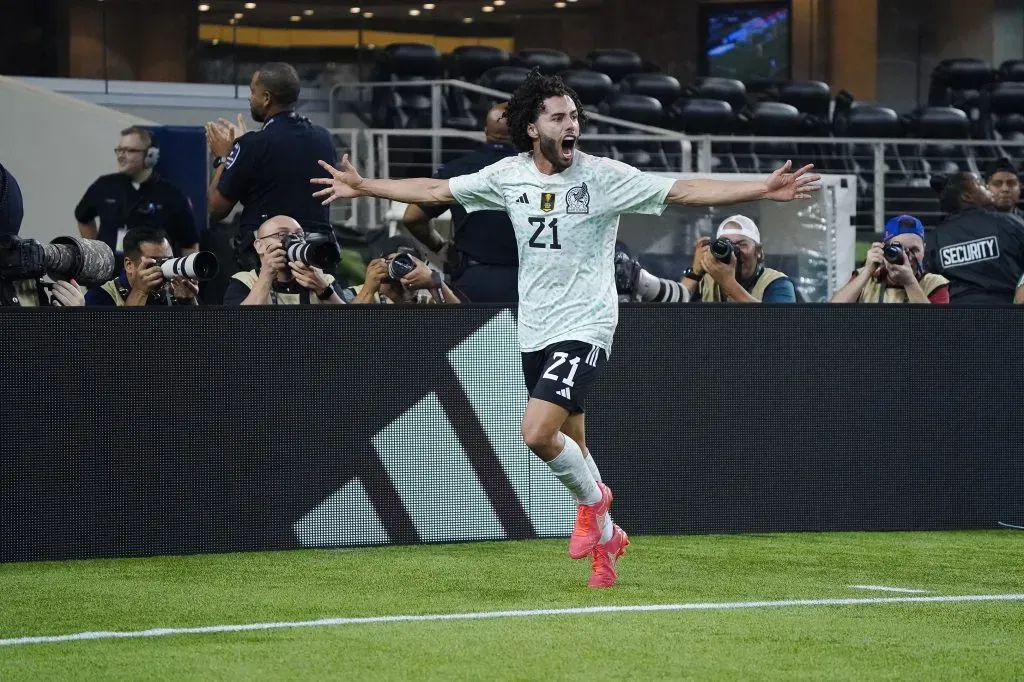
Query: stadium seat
{"x": 1012, "y": 70}
{"x": 942, "y": 124}
{"x": 616, "y": 64}
{"x": 548, "y": 61}
{"x": 726, "y": 90}
{"x": 592, "y": 88}
{"x": 811, "y": 97}
{"x": 665, "y": 89}
{"x": 470, "y": 63}
{"x": 958, "y": 83}
{"x": 774, "y": 119}
{"x": 649, "y": 155}
{"x": 867, "y": 120}
{"x": 709, "y": 117}
{"x": 1005, "y": 111}
{"x": 501, "y": 78}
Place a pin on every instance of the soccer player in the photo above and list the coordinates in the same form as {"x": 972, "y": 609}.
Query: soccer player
{"x": 565, "y": 207}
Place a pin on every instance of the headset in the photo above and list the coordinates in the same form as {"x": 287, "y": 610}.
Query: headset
{"x": 152, "y": 153}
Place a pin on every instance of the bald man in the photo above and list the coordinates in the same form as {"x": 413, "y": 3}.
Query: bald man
{"x": 278, "y": 281}
{"x": 482, "y": 260}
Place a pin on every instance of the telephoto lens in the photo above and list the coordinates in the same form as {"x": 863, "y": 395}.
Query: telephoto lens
{"x": 90, "y": 262}
{"x": 200, "y": 266}
{"x": 722, "y": 249}
{"x": 893, "y": 253}
{"x": 316, "y": 252}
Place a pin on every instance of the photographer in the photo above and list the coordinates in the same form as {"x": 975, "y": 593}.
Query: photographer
{"x": 979, "y": 250}
{"x": 893, "y": 271}
{"x": 142, "y": 281}
{"x": 732, "y": 268}
{"x": 279, "y": 280}
{"x": 399, "y": 275}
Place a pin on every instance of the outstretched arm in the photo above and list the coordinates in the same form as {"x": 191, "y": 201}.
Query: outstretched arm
{"x": 346, "y": 183}
{"x": 779, "y": 186}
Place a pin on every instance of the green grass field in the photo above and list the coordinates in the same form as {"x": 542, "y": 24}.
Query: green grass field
{"x": 927, "y": 641}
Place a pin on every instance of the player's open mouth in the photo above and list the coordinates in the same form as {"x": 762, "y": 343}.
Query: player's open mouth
{"x": 568, "y": 146}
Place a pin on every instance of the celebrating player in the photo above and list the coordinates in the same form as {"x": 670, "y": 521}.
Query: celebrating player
{"x": 565, "y": 207}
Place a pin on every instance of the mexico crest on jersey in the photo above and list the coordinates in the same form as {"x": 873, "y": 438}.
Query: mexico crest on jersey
{"x": 547, "y": 202}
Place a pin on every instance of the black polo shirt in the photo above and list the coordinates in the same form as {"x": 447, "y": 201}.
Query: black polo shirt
{"x": 120, "y": 205}
{"x": 485, "y": 236}
{"x": 269, "y": 170}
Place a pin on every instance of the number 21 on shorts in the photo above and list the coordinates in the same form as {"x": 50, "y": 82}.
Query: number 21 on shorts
{"x": 560, "y": 359}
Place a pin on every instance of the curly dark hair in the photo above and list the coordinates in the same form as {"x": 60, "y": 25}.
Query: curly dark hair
{"x": 527, "y": 101}
{"x": 950, "y": 190}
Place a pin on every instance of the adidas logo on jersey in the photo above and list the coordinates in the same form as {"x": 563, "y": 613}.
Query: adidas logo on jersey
{"x": 565, "y": 394}
{"x": 523, "y": 199}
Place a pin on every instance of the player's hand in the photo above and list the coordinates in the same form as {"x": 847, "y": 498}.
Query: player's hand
{"x": 719, "y": 271}
{"x": 875, "y": 257}
{"x": 344, "y": 183}
{"x": 785, "y": 186}
{"x": 68, "y": 294}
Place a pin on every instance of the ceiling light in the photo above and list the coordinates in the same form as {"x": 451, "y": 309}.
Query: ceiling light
{"x": 232, "y": 21}
{"x": 308, "y": 12}
{"x": 355, "y": 10}
{"x": 429, "y": 5}
{"x": 295, "y": 17}
{"x": 499, "y": 3}
{"x": 215, "y": 41}
{"x": 559, "y": 5}
{"x": 486, "y": 8}
{"x": 371, "y": 46}
{"x": 204, "y": 8}
{"x": 250, "y": 5}
{"x": 238, "y": 15}
{"x": 467, "y": 20}
{"x": 414, "y": 13}
{"x": 367, "y": 15}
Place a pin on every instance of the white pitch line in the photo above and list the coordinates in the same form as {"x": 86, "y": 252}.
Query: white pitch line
{"x": 884, "y": 588}
{"x": 488, "y": 615}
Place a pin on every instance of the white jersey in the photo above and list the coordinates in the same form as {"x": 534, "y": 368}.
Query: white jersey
{"x": 566, "y": 225}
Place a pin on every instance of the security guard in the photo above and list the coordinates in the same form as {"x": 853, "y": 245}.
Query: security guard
{"x": 136, "y": 196}
{"x": 979, "y": 250}
{"x": 1003, "y": 182}
{"x": 268, "y": 171}
{"x": 483, "y": 259}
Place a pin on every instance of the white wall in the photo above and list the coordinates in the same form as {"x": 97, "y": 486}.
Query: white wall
{"x": 55, "y": 146}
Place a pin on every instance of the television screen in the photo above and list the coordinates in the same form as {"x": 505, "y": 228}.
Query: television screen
{"x": 749, "y": 42}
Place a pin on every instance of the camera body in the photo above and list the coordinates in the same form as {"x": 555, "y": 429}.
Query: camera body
{"x": 722, "y": 250}
{"x": 315, "y": 252}
{"x": 893, "y": 253}
{"x": 400, "y": 266}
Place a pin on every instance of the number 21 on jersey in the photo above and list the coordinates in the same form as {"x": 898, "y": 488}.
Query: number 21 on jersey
{"x": 538, "y": 234}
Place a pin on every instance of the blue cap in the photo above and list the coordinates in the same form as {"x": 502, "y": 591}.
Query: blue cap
{"x": 903, "y": 224}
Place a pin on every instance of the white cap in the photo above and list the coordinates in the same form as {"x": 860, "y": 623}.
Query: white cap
{"x": 740, "y": 225}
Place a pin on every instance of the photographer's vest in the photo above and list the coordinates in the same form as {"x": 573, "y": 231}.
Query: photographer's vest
{"x": 249, "y": 279}
{"x": 114, "y": 291}
{"x": 421, "y": 296}
{"x": 710, "y": 291}
{"x": 876, "y": 291}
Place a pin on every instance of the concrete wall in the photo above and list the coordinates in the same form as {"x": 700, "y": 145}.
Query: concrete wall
{"x": 56, "y": 146}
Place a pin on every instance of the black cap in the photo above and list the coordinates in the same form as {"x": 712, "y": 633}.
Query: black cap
{"x": 400, "y": 243}
{"x": 1002, "y": 165}
{"x": 12, "y": 208}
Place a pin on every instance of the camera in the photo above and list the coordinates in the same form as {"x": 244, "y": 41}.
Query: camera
{"x": 893, "y": 253}
{"x": 400, "y": 266}
{"x": 316, "y": 251}
{"x": 88, "y": 261}
{"x": 722, "y": 249}
{"x": 201, "y": 266}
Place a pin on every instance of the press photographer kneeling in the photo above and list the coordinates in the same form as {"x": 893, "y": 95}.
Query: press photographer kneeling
{"x": 291, "y": 270}
{"x": 731, "y": 268}
{"x": 152, "y": 276}
{"x": 894, "y": 272}
{"x": 400, "y": 275}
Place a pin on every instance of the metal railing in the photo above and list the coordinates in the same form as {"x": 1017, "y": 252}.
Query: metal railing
{"x": 892, "y": 173}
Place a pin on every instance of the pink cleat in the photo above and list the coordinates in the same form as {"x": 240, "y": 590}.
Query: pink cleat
{"x": 586, "y": 533}
{"x": 603, "y": 572}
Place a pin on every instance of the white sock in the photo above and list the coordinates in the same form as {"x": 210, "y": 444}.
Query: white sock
{"x": 607, "y": 527}
{"x": 572, "y": 471}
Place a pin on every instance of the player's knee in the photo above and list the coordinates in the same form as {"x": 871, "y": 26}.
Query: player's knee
{"x": 536, "y": 436}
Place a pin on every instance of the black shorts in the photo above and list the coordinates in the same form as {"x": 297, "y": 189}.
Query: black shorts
{"x": 563, "y": 373}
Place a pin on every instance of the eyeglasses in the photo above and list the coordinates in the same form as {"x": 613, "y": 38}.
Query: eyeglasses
{"x": 280, "y": 234}
{"x": 128, "y": 150}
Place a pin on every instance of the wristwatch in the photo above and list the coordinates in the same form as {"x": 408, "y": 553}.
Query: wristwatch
{"x": 219, "y": 161}
{"x": 327, "y": 293}
{"x": 695, "y": 276}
